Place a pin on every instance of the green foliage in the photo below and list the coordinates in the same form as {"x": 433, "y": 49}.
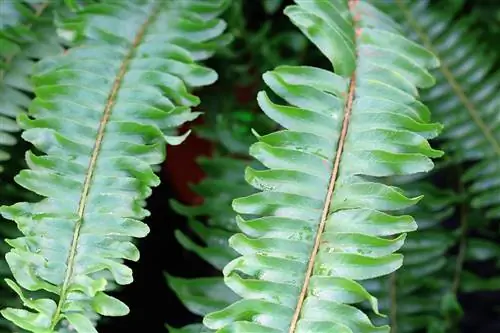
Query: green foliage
{"x": 102, "y": 115}
{"x": 411, "y": 296}
{"x": 340, "y": 167}
{"x": 10, "y": 195}
{"x": 322, "y": 220}
{"x": 26, "y": 35}
{"x": 213, "y": 221}
{"x": 464, "y": 98}
{"x": 261, "y": 48}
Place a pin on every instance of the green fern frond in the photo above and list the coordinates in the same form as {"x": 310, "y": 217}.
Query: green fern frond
{"x": 232, "y": 128}
{"x": 321, "y": 223}
{"x": 224, "y": 178}
{"x": 10, "y": 194}
{"x": 464, "y": 100}
{"x": 465, "y": 97}
{"x": 223, "y": 181}
{"x": 412, "y": 295}
{"x": 423, "y": 294}
{"x": 202, "y": 295}
{"x": 193, "y": 328}
{"x": 207, "y": 294}
{"x": 102, "y": 115}
{"x": 14, "y": 14}
{"x": 27, "y": 35}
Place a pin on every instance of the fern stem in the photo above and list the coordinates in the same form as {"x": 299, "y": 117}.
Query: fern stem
{"x": 93, "y": 162}
{"x": 471, "y": 109}
{"x": 393, "y": 295}
{"x": 328, "y": 198}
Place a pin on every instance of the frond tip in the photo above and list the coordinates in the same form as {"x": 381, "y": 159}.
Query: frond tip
{"x": 322, "y": 220}
{"x": 102, "y": 115}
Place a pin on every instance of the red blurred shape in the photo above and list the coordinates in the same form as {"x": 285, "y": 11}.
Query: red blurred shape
{"x": 180, "y": 168}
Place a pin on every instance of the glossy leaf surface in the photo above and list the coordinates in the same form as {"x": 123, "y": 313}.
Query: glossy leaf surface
{"x": 465, "y": 98}
{"x": 102, "y": 115}
{"x": 321, "y": 221}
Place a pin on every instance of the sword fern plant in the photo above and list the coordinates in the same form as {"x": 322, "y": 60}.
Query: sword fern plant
{"x": 325, "y": 219}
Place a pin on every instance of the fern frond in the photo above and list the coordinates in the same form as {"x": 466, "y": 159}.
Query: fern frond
{"x": 412, "y": 295}
{"x": 465, "y": 97}
{"x": 27, "y": 34}
{"x": 438, "y": 265}
{"x": 193, "y": 328}
{"x": 10, "y": 195}
{"x": 204, "y": 295}
{"x": 321, "y": 222}
{"x": 102, "y": 115}
{"x": 223, "y": 181}
{"x": 224, "y": 176}
{"x": 424, "y": 293}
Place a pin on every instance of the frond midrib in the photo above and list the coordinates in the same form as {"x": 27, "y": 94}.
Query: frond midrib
{"x": 328, "y": 198}
{"x": 94, "y": 157}
{"x": 457, "y": 88}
